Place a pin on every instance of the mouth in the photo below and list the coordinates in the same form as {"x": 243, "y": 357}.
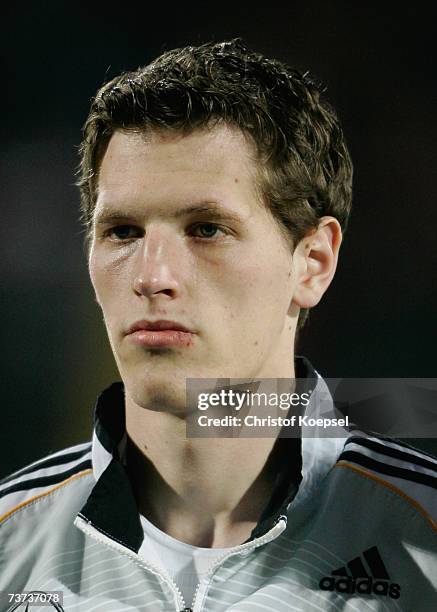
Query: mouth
{"x": 160, "y": 334}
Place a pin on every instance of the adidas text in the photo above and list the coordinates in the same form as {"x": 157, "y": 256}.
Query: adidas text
{"x": 363, "y": 586}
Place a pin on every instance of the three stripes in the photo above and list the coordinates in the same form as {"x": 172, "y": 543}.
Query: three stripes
{"x": 408, "y": 465}
{"x": 357, "y": 569}
{"x": 49, "y": 471}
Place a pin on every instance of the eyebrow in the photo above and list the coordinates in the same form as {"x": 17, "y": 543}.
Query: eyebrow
{"x": 210, "y": 208}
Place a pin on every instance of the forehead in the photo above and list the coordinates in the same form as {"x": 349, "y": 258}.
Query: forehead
{"x": 164, "y": 166}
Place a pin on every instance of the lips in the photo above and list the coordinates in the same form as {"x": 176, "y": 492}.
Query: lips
{"x": 164, "y": 334}
{"x": 157, "y": 326}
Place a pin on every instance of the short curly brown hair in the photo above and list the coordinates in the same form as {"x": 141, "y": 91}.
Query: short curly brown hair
{"x": 305, "y": 170}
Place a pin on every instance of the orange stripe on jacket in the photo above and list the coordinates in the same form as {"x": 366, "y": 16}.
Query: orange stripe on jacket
{"x": 392, "y": 488}
{"x": 41, "y": 495}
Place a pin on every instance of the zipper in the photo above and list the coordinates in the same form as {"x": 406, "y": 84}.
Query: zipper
{"x": 88, "y": 528}
{"x": 278, "y": 527}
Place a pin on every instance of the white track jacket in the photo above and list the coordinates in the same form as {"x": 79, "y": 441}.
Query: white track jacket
{"x": 360, "y": 534}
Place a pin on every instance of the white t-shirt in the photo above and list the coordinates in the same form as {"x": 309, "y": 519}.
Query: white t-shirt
{"x": 184, "y": 563}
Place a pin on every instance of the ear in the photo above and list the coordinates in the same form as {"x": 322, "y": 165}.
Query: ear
{"x": 315, "y": 261}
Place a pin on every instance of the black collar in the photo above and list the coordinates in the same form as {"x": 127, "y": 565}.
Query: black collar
{"x": 111, "y": 507}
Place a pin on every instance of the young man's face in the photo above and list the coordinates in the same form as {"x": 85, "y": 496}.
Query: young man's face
{"x": 180, "y": 237}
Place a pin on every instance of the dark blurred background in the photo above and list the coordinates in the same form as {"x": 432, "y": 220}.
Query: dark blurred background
{"x": 378, "y": 318}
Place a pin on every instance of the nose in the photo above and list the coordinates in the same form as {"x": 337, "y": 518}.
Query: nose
{"x": 157, "y": 271}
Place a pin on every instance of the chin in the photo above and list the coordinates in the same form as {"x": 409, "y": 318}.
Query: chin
{"x": 156, "y": 393}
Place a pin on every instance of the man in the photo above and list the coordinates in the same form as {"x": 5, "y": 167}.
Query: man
{"x": 215, "y": 187}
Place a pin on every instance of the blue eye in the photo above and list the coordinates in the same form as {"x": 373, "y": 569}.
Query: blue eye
{"x": 122, "y": 232}
{"x": 206, "y": 230}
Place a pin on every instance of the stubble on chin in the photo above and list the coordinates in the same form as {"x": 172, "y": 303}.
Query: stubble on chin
{"x": 159, "y": 396}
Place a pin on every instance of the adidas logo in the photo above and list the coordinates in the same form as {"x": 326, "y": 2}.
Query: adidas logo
{"x": 358, "y": 579}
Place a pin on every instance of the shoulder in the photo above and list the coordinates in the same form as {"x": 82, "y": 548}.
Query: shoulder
{"x": 42, "y": 477}
{"x": 407, "y": 471}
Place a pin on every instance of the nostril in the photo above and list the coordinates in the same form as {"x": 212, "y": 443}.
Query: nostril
{"x": 154, "y": 286}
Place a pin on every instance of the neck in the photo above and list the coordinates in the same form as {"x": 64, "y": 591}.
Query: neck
{"x": 208, "y": 492}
